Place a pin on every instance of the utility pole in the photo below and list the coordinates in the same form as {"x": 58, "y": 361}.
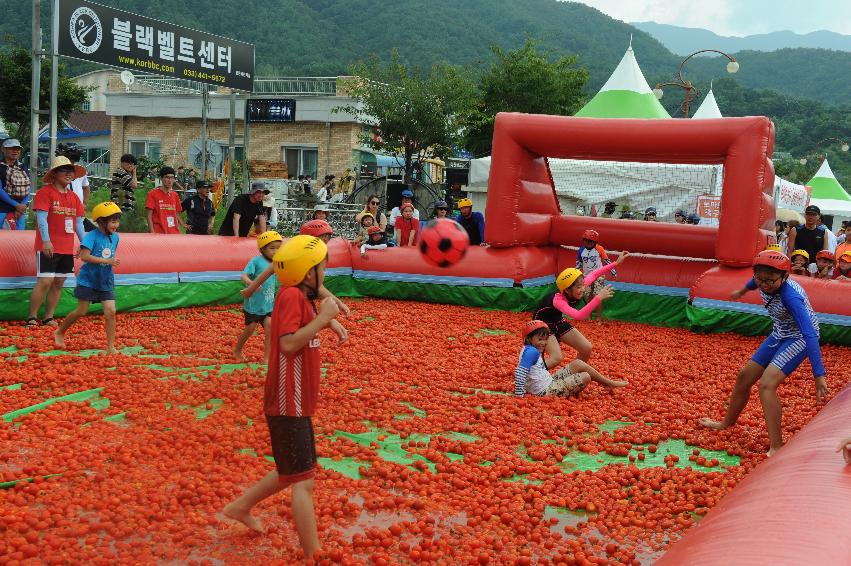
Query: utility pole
{"x": 35, "y": 88}
{"x": 245, "y": 154}
{"x": 231, "y": 145}
{"x": 205, "y": 100}
{"x": 54, "y": 80}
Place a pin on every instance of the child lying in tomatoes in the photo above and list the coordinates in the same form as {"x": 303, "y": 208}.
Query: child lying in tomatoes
{"x": 531, "y": 375}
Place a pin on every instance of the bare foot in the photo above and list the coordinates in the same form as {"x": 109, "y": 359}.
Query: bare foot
{"x": 709, "y": 423}
{"x": 617, "y": 384}
{"x": 772, "y": 451}
{"x": 231, "y": 511}
{"x": 59, "y": 339}
{"x": 237, "y": 354}
{"x": 111, "y": 351}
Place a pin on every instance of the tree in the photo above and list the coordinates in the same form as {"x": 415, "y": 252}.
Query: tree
{"x": 15, "y": 88}
{"x": 414, "y": 115}
{"x": 524, "y": 81}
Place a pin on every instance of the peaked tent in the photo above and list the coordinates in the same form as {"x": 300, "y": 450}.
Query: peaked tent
{"x": 708, "y": 108}
{"x": 625, "y": 95}
{"x": 828, "y": 194}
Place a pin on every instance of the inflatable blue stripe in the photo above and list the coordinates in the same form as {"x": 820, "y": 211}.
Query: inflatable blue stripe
{"x": 145, "y": 278}
{"x": 538, "y": 281}
{"x": 650, "y": 289}
{"x": 17, "y": 283}
{"x": 202, "y": 276}
{"x": 824, "y": 318}
{"x": 338, "y": 271}
{"x": 436, "y": 279}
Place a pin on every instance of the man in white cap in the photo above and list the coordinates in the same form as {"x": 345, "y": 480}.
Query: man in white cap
{"x": 244, "y": 211}
{"x": 14, "y": 187}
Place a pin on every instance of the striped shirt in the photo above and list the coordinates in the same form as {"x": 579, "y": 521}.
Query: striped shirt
{"x": 531, "y": 375}
{"x": 292, "y": 381}
{"x": 793, "y": 317}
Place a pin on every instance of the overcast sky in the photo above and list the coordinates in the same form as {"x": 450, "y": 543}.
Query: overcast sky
{"x": 734, "y": 17}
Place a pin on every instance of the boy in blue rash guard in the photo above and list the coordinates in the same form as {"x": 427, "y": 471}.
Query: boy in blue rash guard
{"x": 531, "y": 375}
{"x": 795, "y": 336}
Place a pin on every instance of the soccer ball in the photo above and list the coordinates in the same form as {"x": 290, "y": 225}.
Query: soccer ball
{"x": 444, "y": 242}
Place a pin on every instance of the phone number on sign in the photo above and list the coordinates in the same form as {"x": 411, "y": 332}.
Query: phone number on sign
{"x": 203, "y": 76}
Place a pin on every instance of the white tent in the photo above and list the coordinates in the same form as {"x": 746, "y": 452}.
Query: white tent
{"x": 708, "y": 108}
{"x": 828, "y": 194}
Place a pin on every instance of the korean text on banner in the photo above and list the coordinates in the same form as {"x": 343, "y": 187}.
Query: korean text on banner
{"x": 790, "y": 196}
{"x": 100, "y": 34}
{"x": 709, "y": 209}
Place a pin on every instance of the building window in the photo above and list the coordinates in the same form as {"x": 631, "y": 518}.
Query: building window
{"x": 149, "y": 148}
{"x": 301, "y": 160}
{"x": 87, "y": 105}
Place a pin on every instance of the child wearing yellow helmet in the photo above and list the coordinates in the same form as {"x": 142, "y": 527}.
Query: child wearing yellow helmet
{"x": 571, "y": 286}
{"x": 292, "y": 386}
{"x": 531, "y": 375}
{"x": 472, "y": 222}
{"x": 257, "y": 308}
{"x": 800, "y": 262}
{"x": 96, "y": 282}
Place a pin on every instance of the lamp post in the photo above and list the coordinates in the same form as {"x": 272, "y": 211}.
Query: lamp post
{"x": 691, "y": 91}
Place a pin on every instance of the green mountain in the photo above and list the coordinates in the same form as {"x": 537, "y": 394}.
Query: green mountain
{"x": 683, "y": 40}
{"x": 322, "y": 37}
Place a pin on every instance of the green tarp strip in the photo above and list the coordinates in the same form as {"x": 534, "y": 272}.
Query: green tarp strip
{"x": 660, "y": 310}
{"x": 79, "y": 397}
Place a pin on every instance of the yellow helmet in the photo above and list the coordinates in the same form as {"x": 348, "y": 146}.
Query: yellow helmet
{"x": 465, "y": 202}
{"x": 105, "y": 210}
{"x": 267, "y": 238}
{"x": 774, "y": 247}
{"x": 567, "y": 278}
{"x": 804, "y": 253}
{"x": 296, "y": 257}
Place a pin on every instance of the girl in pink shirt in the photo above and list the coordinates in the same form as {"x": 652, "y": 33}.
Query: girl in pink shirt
{"x": 571, "y": 287}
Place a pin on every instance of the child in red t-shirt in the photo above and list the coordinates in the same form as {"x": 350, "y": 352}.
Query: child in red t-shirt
{"x": 59, "y": 216}
{"x": 163, "y": 206}
{"x": 407, "y": 227}
{"x": 292, "y": 386}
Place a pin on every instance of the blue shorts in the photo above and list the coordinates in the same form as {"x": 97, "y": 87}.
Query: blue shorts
{"x": 785, "y": 353}
{"x": 93, "y": 295}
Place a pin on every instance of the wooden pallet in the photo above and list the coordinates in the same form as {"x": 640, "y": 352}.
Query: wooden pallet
{"x": 267, "y": 169}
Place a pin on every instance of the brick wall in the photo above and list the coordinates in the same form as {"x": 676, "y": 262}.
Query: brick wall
{"x": 334, "y": 143}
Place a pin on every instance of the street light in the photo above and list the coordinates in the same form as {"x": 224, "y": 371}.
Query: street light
{"x": 691, "y": 91}
{"x": 843, "y": 146}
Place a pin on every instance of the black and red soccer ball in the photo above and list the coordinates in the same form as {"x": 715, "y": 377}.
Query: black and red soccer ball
{"x": 443, "y": 242}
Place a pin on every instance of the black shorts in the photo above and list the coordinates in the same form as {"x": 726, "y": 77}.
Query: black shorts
{"x": 251, "y": 318}
{"x": 293, "y": 446}
{"x": 559, "y": 328}
{"x": 57, "y": 265}
{"x": 93, "y": 295}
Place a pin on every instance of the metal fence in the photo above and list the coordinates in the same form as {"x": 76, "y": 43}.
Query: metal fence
{"x": 293, "y": 211}
{"x": 282, "y": 86}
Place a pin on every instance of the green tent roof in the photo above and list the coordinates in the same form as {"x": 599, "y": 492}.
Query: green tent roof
{"x": 625, "y": 95}
{"x": 825, "y": 185}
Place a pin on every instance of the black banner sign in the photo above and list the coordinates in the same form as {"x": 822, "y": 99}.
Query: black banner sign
{"x": 271, "y": 110}
{"x": 101, "y": 34}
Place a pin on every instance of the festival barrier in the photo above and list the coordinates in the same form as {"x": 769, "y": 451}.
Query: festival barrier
{"x": 791, "y": 509}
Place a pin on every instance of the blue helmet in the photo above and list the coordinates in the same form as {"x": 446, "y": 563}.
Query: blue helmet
{"x": 693, "y": 218}
{"x": 408, "y": 193}
{"x": 440, "y": 204}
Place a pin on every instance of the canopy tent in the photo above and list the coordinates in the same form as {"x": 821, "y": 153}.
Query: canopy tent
{"x": 828, "y": 194}
{"x": 708, "y": 108}
{"x": 625, "y": 95}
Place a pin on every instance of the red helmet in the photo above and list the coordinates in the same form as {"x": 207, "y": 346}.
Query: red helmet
{"x": 592, "y": 235}
{"x": 771, "y": 258}
{"x": 315, "y": 228}
{"x": 826, "y": 254}
{"x": 532, "y": 326}
{"x": 373, "y": 230}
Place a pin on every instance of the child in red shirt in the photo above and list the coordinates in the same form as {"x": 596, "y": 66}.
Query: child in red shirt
{"x": 407, "y": 227}
{"x": 292, "y": 386}
{"x": 163, "y": 206}
{"x": 59, "y": 216}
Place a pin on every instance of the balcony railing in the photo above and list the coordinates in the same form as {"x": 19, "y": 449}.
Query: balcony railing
{"x": 279, "y": 86}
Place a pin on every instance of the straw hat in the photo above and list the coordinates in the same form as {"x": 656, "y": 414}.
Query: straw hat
{"x": 63, "y": 161}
